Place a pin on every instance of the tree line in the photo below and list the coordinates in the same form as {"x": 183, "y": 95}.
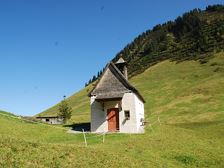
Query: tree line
{"x": 191, "y": 36}
{"x": 95, "y": 77}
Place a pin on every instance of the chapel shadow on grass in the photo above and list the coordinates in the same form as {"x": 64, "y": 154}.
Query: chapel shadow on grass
{"x": 79, "y": 126}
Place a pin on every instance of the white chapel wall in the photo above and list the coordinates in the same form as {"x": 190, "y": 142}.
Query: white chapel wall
{"x": 139, "y": 105}
{"x": 98, "y": 116}
{"x": 128, "y": 104}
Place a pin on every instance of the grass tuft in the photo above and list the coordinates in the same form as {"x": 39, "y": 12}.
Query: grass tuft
{"x": 185, "y": 159}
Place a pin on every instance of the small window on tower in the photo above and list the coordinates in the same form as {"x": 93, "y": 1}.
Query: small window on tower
{"x": 127, "y": 115}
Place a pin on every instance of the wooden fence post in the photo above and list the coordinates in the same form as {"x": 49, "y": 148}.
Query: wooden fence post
{"x": 84, "y": 137}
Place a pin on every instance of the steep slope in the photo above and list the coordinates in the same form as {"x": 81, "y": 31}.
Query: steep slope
{"x": 197, "y": 35}
{"x": 184, "y": 92}
{"x": 170, "y": 89}
{"x": 80, "y": 107}
{"x": 193, "y": 36}
{"x": 187, "y": 96}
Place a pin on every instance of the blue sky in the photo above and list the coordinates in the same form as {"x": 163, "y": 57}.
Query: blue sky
{"x": 50, "y": 48}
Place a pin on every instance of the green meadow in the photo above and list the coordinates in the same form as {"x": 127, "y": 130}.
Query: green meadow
{"x": 188, "y": 98}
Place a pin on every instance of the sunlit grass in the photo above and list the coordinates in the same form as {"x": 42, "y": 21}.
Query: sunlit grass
{"x": 188, "y": 98}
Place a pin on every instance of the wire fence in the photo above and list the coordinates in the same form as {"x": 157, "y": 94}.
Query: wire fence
{"x": 155, "y": 122}
{"x": 103, "y": 134}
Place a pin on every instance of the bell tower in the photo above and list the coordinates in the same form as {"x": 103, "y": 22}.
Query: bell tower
{"x": 122, "y": 66}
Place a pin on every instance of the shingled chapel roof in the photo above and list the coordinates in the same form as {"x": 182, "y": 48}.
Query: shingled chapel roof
{"x": 113, "y": 85}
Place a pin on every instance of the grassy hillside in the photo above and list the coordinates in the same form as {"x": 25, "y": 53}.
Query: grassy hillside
{"x": 196, "y": 35}
{"x": 192, "y": 36}
{"x": 80, "y": 107}
{"x": 189, "y": 99}
{"x": 187, "y": 96}
{"x": 168, "y": 87}
{"x": 26, "y": 144}
{"x": 6, "y": 113}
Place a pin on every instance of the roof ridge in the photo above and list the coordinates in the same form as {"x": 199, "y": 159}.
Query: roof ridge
{"x": 118, "y": 74}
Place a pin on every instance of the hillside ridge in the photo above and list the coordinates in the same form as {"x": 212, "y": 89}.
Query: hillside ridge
{"x": 205, "y": 37}
{"x": 188, "y": 98}
{"x": 6, "y": 113}
{"x": 192, "y": 36}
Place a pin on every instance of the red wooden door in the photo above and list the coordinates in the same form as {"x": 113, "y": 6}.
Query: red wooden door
{"x": 113, "y": 119}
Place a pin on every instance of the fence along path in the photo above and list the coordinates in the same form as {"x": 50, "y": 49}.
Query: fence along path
{"x": 103, "y": 134}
